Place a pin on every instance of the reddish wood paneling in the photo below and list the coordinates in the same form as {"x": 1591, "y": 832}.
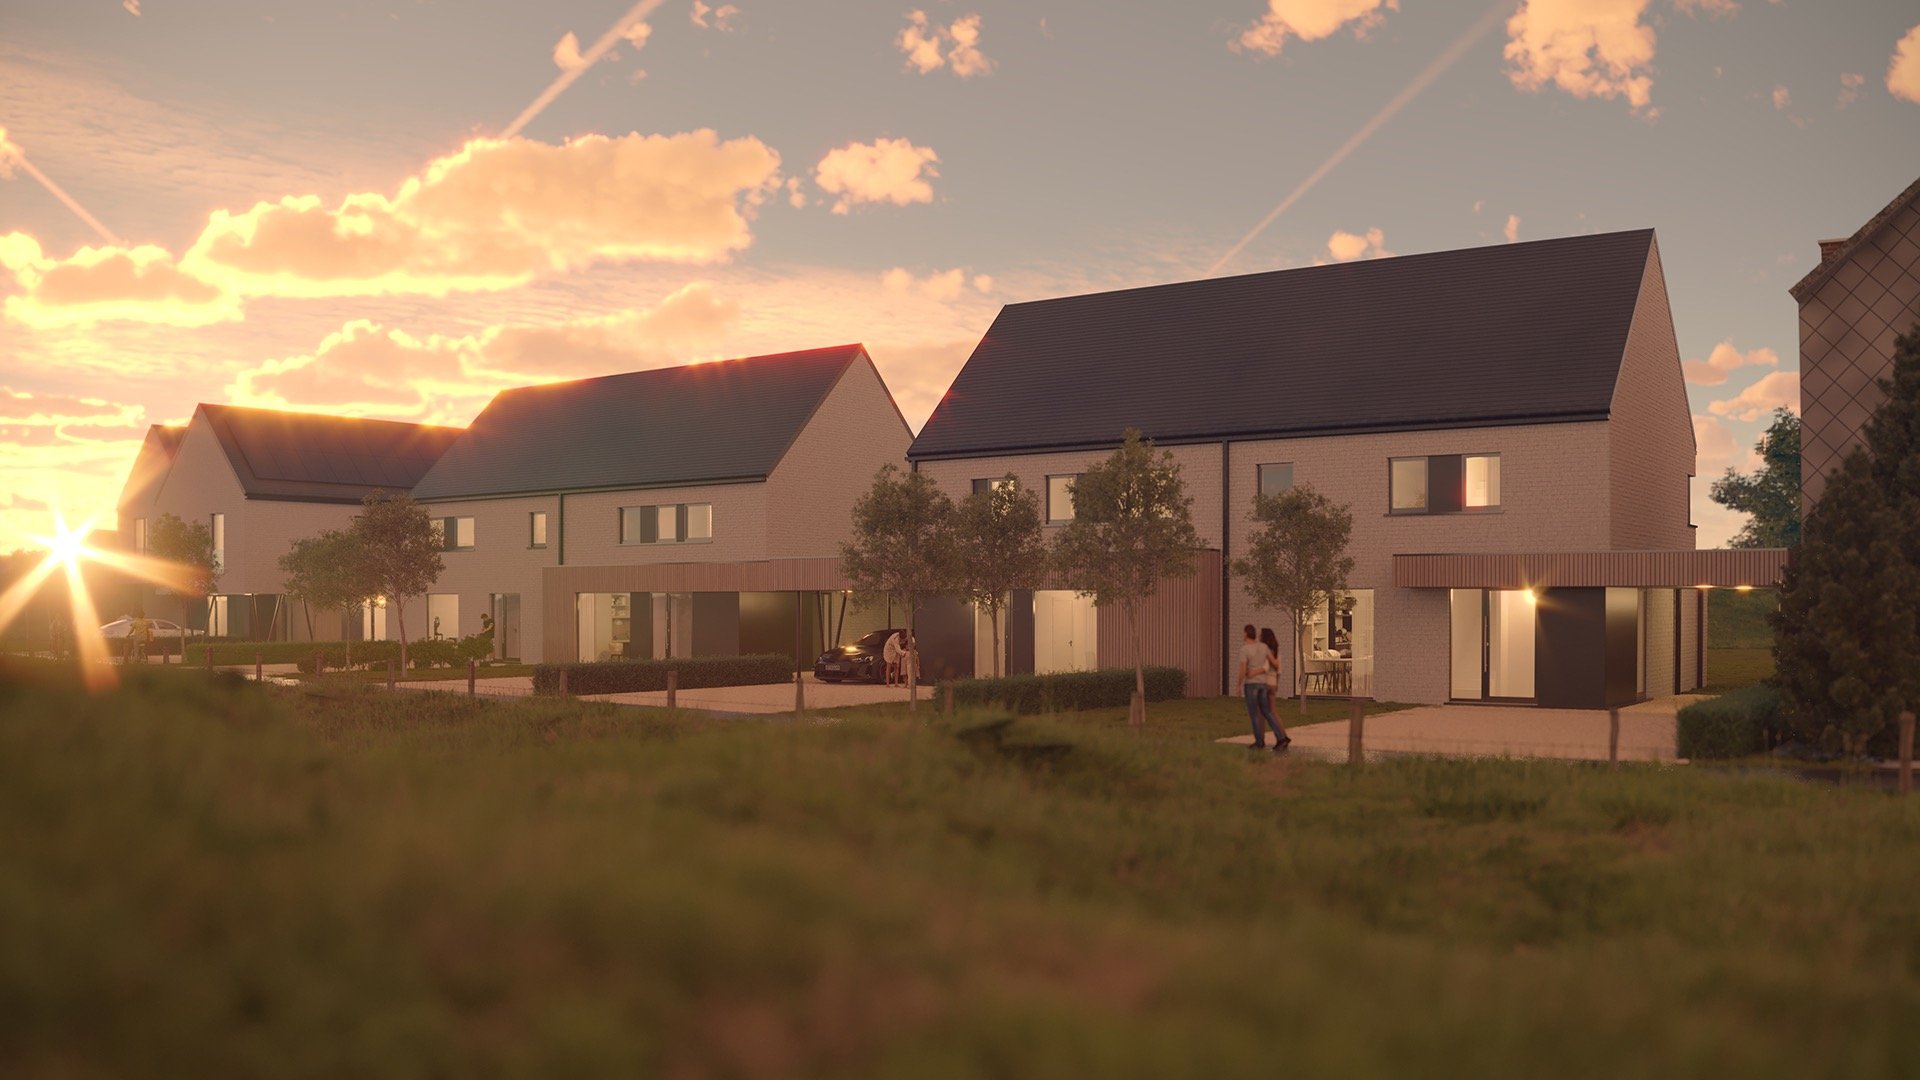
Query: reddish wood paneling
{"x": 1181, "y": 625}
{"x": 1723, "y": 568}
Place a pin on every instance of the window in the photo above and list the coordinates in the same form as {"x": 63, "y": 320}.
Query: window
{"x": 140, "y": 535}
{"x": 1408, "y": 484}
{"x": 1060, "y": 498}
{"x": 537, "y": 529}
{"x": 220, "y": 540}
{"x": 990, "y": 483}
{"x": 675, "y": 523}
{"x": 456, "y": 534}
{"x": 1483, "y": 482}
{"x": 1275, "y": 479}
{"x": 443, "y": 615}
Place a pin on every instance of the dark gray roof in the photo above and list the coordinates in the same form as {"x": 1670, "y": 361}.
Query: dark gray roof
{"x": 1805, "y": 287}
{"x": 1516, "y": 333}
{"x": 308, "y": 457}
{"x": 696, "y": 423}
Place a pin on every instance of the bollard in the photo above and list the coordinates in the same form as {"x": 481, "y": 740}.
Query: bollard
{"x": 1613, "y": 737}
{"x": 1906, "y": 752}
{"x": 673, "y": 688}
{"x": 471, "y": 666}
{"x": 563, "y": 682}
{"x": 390, "y": 673}
{"x": 258, "y": 667}
{"x": 799, "y": 693}
{"x": 209, "y": 656}
{"x": 949, "y": 702}
{"x": 319, "y": 664}
{"x": 1356, "y": 728}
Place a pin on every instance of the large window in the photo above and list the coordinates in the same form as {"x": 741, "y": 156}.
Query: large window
{"x": 674, "y": 523}
{"x": 1482, "y": 472}
{"x": 1060, "y": 498}
{"x": 990, "y": 483}
{"x": 1407, "y": 480}
{"x": 443, "y": 615}
{"x": 537, "y": 529}
{"x": 456, "y": 534}
{"x": 1443, "y": 484}
{"x": 1275, "y": 479}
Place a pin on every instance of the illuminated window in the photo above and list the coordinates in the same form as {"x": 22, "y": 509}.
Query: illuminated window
{"x": 1483, "y": 481}
{"x": 456, "y": 534}
{"x": 673, "y": 523}
{"x": 991, "y": 483}
{"x": 537, "y": 529}
{"x": 1407, "y": 481}
{"x": 220, "y": 540}
{"x": 1060, "y": 498}
{"x": 140, "y": 535}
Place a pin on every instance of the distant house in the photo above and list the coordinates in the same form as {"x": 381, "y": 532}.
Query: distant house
{"x": 260, "y": 479}
{"x": 1508, "y": 424}
{"x": 1864, "y": 294}
{"x": 683, "y": 511}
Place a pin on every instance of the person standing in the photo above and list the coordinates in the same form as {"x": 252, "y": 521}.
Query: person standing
{"x": 890, "y": 652}
{"x": 139, "y": 636}
{"x": 1272, "y": 642}
{"x": 1251, "y": 677}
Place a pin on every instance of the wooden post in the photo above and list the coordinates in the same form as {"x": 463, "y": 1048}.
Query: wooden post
{"x": 390, "y": 673}
{"x": 673, "y": 688}
{"x": 209, "y": 656}
{"x": 471, "y": 666}
{"x": 1613, "y": 737}
{"x": 1136, "y": 711}
{"x": 1906, "y": 752}
{"x": 1356, "y": 731}
{"x": 563, "y": 682}
{"x": 258, "y": 667}
{"x": 799, "y": 692}
{"x": 319, "y": 664}
{"x": 949, "y": 702}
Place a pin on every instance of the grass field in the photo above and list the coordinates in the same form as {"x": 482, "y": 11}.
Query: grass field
{"x": 1728, "y": 669}
{"x": 204, "y": 877}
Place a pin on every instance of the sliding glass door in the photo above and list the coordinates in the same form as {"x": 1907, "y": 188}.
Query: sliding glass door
{"x": 1493, "y": 644}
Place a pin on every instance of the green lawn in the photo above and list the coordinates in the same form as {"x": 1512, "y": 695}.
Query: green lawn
{"x": 1729, "y": 669}
{"x": 1188, "y": 719}
{"x": 205, "y": 877}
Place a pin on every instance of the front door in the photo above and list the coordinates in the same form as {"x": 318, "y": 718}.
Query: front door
{"x": 506, "y": 626}
{"x": 1494, "y": 644}
{"x": 1064, "y": 632}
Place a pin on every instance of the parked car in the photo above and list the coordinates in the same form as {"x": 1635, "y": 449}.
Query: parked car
{"x": 162, "y": 628}
{"x": 861, "y": 661}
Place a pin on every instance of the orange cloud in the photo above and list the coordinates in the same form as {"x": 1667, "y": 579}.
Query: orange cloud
{"x": 1512, "y": 229}
{"x": 713, "y": 18}
{"x": 1780, "y": 390}
{"x": 1345, "y": 246}
{"x": 1903, "y": 71}
{"x": 1723, "y": 359}
{"x": 884, "y": 171}
{"x": 495, "y": 214}
{"x": 939, "y": 285}
{"x": 1588, "y": 48}
{"x": 929, "y": 46}
{"x": 1310, "y": 20}
{"x": 99, "y": 284}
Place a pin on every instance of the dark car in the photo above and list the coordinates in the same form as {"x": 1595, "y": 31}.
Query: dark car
{"x": 862, "y": 661}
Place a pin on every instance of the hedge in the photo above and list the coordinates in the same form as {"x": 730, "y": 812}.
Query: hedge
{"x": 1069, "y": 690}
{"x": 1739, "y": 723}
{"x": 365, "y": 654}
{"x": 630, "y": 676}
{"x": 271, "y": 652}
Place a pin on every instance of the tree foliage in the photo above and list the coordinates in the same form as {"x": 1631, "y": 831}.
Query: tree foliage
{"x": 325, "y": 572}
{"x": 998, "y": 546}
{"x": 1296, "y": 556}
{"x": 190, "y": 544}
{"x": 1847, "y": 634}
{"x": 1770, "y": 496}
{"x": 397, "y": 547}
{"x": 1132, "y": 527}
{"x": 902, "y": 542}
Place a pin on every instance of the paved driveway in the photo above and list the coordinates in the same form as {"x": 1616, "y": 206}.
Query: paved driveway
{"x": 1646, "y": 732}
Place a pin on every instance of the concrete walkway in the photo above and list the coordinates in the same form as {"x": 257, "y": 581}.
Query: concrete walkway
{"x": 1646, "y": 732}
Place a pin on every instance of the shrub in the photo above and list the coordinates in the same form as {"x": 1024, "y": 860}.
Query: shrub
{"x": 1069, "y": 690}
{"x": 476, "y": 647}
{"x": 434, "y": 652}
{"x": 1739, "y": 723}
{"x": 284, "y": 652}
{"x": 630, "y": 676}
{"x": 365, "y": 654}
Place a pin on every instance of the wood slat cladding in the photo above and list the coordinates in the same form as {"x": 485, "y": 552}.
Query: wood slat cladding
{"x": 1724, "y": 568}
{"x": 1182, "y": 628}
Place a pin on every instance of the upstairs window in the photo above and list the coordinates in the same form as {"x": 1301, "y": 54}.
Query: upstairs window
{"x": 1407, "y": 485}
{"x": 1274, "y": 479}
{"x": 537, "y": 529}
{"x": 1060, "y": 498}
{"x": 1482, "y": 481}
{"x": 456, "y": 533}
{"x": 990, "y": 483}
{"x": 140, "y": 535}
{"x": 220, "y": 540}
{"x": 674, "y": 523}
{"x": 1444, "y": 484}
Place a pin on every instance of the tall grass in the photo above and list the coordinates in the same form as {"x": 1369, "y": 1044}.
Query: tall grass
{"x": 208, "y": 878}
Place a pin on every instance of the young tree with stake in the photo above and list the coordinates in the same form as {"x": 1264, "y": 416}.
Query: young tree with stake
{"x": 1132, "y": 526}
{"x": 1296, "y": 558}
{"x": 190, "y": 545}
{"x": 397, "y": 547}
{"x": 902, "y": 547}
{"x": 998, "y": 546}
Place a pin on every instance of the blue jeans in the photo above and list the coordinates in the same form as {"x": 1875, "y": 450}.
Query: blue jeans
{"x": 1260, "y": 706}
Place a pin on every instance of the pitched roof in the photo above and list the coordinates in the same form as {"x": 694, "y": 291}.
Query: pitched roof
{"x": 1805, "y": 287}
{"x": 153, "y": 460}
{"x": 1515, "y": 333}
{"x": 729, "y": 420}
{"x": 308, "y": 457}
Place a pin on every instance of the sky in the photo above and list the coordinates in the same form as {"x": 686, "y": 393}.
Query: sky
{"x": 397, "y": 208}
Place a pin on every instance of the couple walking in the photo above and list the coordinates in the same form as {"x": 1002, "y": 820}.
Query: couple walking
{"x": 1260, "y": 681}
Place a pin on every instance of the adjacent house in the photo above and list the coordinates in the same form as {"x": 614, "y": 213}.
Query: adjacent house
{"x": 1508, "y": 425}
{"x": 261, "y": 479}
{"x": 1863, "y": 295}
{"x": 683, "y": 511}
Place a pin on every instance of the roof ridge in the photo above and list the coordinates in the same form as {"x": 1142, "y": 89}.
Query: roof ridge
{"x": 1828, "y": 264}
{"x": 302, "y": 414}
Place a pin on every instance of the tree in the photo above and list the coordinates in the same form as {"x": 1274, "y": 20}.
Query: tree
{"x": 1771, "y": 495}
{"x": 189, "y": 544}
{"x": 324, "y": 571}
{"x": 397, "y": 547}
{"x": 1847, "y": 632}
{"x": 1296, "y": 558}
{"x": 997, "y": 547}
{"x": 902, "y": 547}
{"x": 1132, "y": 526}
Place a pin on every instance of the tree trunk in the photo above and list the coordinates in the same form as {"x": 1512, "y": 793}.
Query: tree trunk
{"x": 400, "y": 613}
{"x": 1139, "y": 668}
{"x": 993, "y": 616}
{"x": 912, "y": 659}
{"x": 1299, "y": 665}
{"x": 307, "y": 609}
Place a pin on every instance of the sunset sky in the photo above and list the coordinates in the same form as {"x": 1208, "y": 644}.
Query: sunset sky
{"x": 395, "y": 208}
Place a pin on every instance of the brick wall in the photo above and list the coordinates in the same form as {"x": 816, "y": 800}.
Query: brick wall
{"x": 1651, "y": 430}
{"x": 811, "y": 493}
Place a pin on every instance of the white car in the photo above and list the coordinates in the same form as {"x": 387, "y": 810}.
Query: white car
{"x": 162, "y": 628}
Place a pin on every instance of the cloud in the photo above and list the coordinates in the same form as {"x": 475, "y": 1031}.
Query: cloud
{"x": 1708, "y": 7}
{"x": 1588, "y": 48}
{"x": 371, "y": 369}
{"x": 884, "y": 171}
{"x": 1716, "y": 449}
{"x": 928, "y": 46}
{"x": 495, "y": 214}
{"x": 1345, "y": 246}
{"x": 1310, "y": 20}
{"x": 714, "y": 18}
{"x": 1903, "y": 71}
{"x": 26, "y": 408}
{"x": 1780, "y": 390}
{"x": 1512, "y": 229}
{"x": 1781, "y": 97}
{"x": 602, "y": 45}
{"x": 939, "y": 285}
{"x": 100, "y": 284}
{"x": 566, "y": 53}
{"x": 132, "y": 6}
{"x": 1723, "y": 359}
{"x": 1850, "y": 84}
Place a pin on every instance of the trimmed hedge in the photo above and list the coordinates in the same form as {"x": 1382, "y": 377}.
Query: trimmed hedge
{"x": 271, "y": 652}
{"x": 630, "y": 676}
{"x": 1739, "y": 723}
{"x": 365, "y": 654}
{"x": 1069, "y": 690}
